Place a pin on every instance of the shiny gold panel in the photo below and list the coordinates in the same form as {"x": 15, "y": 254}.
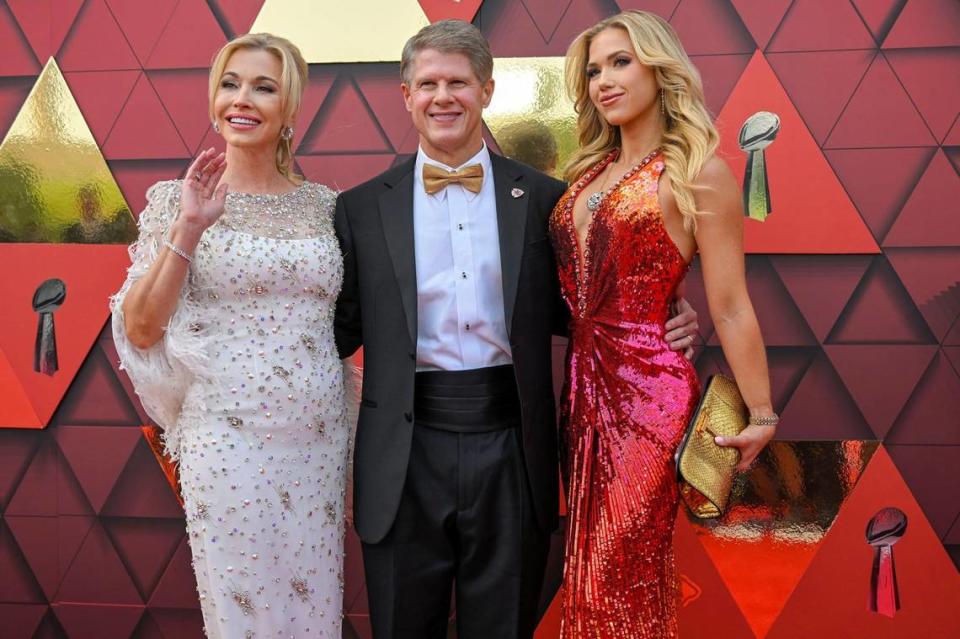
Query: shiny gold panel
{"x": 794, "y": 493}
{"x": 54, "y": 183}
{"x": 350, "y": 31}
{"x": 530, "y": 116}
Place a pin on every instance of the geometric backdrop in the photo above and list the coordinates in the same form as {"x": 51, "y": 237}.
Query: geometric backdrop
{"x": 857, "y": 293}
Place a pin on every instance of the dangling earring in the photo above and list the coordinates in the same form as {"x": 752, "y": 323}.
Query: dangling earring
{"x": 216, "y": 126}
{"x": 286, "y": 133}
{"x": 663, "y": 106}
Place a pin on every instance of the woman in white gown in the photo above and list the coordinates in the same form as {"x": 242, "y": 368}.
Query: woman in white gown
{"x": 225, "y": 326}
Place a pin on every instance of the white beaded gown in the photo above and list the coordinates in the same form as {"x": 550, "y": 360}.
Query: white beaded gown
{"x": 248, "y": 387}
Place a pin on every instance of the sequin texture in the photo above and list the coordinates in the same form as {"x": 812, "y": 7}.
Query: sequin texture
{"x": 246, "y": 370}
{"x": 625, "y": 404}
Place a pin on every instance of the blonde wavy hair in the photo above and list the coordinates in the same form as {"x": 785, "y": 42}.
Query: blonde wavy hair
{"x": 689, "y": 137}
{"x": 293, "y": 80}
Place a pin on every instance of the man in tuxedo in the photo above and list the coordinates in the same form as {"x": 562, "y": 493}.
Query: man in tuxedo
{"x": 451, "y": 288}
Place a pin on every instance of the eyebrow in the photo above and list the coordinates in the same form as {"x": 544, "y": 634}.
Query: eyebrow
{"x": 233, "y": 74}
{"x": 612, "y": 56}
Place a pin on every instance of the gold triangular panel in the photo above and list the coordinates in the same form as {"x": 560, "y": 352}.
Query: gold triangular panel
{"x": 55, "y": 186}
{"x": 530, "y": 115}
{"x": 365, "y": 31}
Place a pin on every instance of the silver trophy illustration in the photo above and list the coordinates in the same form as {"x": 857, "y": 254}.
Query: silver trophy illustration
{"x": 757, "y": 132}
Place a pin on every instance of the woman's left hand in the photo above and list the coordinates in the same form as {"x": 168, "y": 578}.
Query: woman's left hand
{"x": 749, "y": 442}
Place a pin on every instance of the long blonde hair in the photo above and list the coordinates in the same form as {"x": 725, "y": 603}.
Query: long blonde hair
{"x": 689, "y": 137}
{"x": 293, "y": 80}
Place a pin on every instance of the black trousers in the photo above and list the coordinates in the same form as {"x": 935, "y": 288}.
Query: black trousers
{"x": 465, "y": 526}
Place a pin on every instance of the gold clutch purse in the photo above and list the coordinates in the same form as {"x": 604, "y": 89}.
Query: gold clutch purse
{"x": 704, "y": 469}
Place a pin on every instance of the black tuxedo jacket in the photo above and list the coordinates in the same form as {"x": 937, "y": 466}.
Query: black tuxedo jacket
{"x": 377, "y": 309}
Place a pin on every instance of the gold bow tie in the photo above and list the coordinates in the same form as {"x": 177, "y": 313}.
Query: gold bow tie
{"x": 435, "y": 178}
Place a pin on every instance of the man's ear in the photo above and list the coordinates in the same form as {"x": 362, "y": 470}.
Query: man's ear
{"x": 407, "y": 96}
{"x": 488, "y": 92}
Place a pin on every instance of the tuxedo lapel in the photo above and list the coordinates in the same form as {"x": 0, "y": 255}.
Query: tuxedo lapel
{"x": 512, "y": 199}
{"x": 396, "y": 216}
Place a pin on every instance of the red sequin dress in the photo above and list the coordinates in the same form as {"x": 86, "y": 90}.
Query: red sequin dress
{"x": 626, "y": 401}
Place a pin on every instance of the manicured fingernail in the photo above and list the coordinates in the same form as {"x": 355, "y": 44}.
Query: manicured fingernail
{"x": 718, "y": 440}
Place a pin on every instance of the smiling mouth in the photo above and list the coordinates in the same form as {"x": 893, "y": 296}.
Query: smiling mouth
{"x": 610, "y": 99}
{"x": 242, "y": 122}
{"x": 444, "y": 117}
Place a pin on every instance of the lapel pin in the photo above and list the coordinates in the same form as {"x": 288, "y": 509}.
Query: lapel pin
{"x": 516, "y": 193}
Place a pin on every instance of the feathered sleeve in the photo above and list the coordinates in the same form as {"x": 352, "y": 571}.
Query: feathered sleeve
{"x": 162, "y": 373}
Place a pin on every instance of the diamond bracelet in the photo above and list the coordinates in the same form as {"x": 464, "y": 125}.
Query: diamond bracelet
{"x": 177, "y": 250}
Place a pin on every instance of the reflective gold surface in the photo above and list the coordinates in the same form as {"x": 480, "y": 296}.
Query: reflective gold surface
{"x": 530, "y": 116}
{"x": 55, "y": 185}
{"x": 350, "y": 31}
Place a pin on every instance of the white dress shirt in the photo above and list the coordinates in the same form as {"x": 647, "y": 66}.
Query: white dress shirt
{"x": 460, "y": 316}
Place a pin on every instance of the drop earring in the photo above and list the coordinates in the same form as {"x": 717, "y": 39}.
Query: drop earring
{"x": 287, "y": 133}
{"x": 663, "y": 105}
{"x": 216, "y": 126}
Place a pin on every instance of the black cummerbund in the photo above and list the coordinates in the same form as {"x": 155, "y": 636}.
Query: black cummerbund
{"x": 473, "y": 401}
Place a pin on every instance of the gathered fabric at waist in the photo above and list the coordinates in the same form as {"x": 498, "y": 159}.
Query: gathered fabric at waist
{"x": 470, "y": 401}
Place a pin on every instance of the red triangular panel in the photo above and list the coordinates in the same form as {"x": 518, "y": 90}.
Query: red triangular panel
{"x": 762, "y": 18}
{"x": 663, "y": 8}
{"x": 144, "y": 130}
{"x": 97, "y": 455}
{"x": 822, "y": 409}
{"x": 879, "y": 15}
{"x": 145, "y": 546}
{"x": 18, "y": 58}
{"x": 91, "y": 273}
{"x": 178, "y": 586}
{"x": 811, "y": 211}
{"x": 710, "y": 27}
{"x": 142, "y": 490}
{"x": 933, "y": 474}
{"x": 381, "y": 89}
{"x": 21, "y": 620}
{"x": 105, "y": 342}
{"x": 344, "y": 124}
{"x": 929, "y": 218}
{"x": 100, "y": 96}
{"x": 930, "y": 23}
{"x": 932, "y": 277}
{"x": 96, "y": 43}
{"x": 821, "y": 25}
{"x": 546, "y": 14}
{"x": 16, "y": 453}
{"x": 879, "y": 181}
{"x": 190, "y": 39}
{"x": 236, "y": 16}
{"x": 142, "y": 22}
{"x": 953, "y": 138}
{"x": 342, "y": 172}
{"x": 97, "y": 556}
{"x": 313, "y": 97}
{"x": 820, "y": 286}
{"x": 581, "y": 15}
{"x": 134, "y": 177}
{"x": 704, "y": 596}
{"x": 18, "y": 583}
{"x": 16, "y": 411}
{"x": 458, "y": 10}
{"x": 880, "y": 311}
{"x": 923, "y": 72}
{"x": 44, "y": 24}
{"x": 780, "y": 321}
{"x": 880, "y": 397}
{"x": 49, "y": 544}
{"x": 831, "y": 599}
{"x": 13, "y": 93}
{"x": 97, "y": 621}
{"x": 178, "y": 623}
{"x": 183, "y": 93}
{"x": 96, "y": 397}
{"x": 720, "y": 73}
{"x": 804, "y": 76}
{"x": 924, "y": 419}
{"x": 49, "y": 486}
{"x": 880, "y": 114}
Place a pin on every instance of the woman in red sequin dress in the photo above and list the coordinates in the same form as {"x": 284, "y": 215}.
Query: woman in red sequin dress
{"x": 646, "y": 194}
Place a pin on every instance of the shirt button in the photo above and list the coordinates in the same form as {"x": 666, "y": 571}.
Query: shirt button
{"x": 463, "y": 275}
{"x": 459, "y": 227}
{"x": 468, "y": 327}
